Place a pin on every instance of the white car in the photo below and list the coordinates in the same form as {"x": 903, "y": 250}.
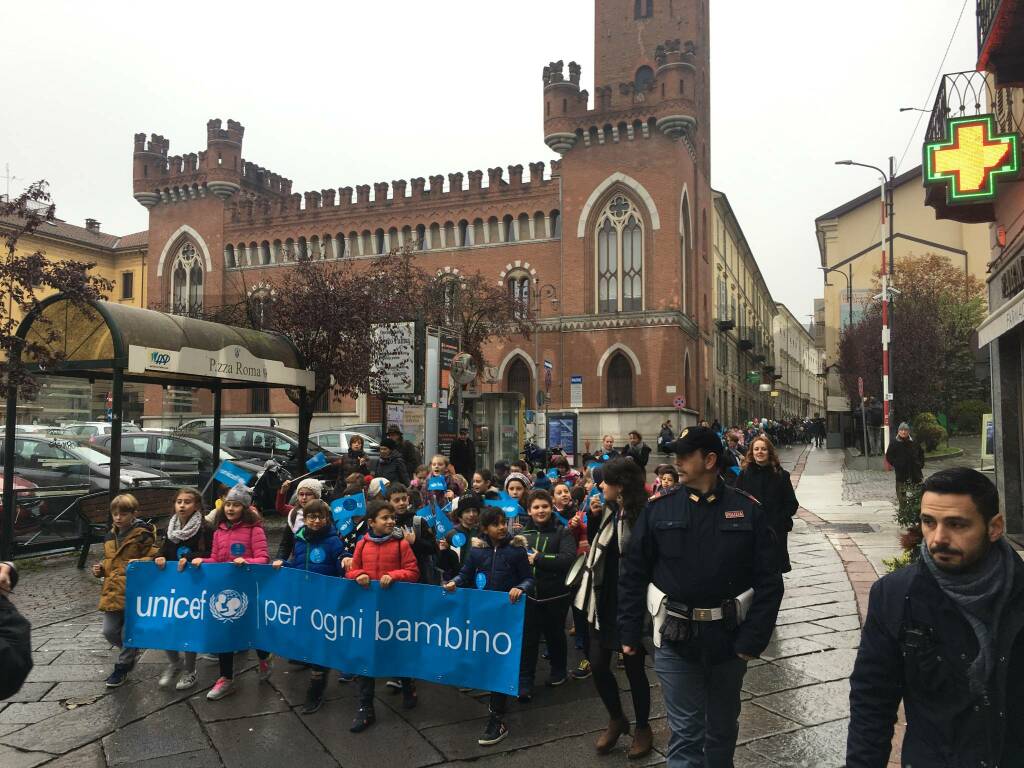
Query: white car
{"x": 337, "y": 440}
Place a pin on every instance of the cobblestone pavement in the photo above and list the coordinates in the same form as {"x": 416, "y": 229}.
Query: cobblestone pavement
{"x": 794, "y": 711}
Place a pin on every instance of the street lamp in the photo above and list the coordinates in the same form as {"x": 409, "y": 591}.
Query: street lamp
{"x": 888, "y": 194}
{"x": 542, "y": 293}
{"x": 849, "y": 292}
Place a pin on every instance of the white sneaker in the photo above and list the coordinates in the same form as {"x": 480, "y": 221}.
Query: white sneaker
{"x": 186, "y": 681}
{"x": 223, "y": 687}
{"x": 168, "y": 676}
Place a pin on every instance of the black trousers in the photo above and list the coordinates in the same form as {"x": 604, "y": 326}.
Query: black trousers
{"x": 227, "y": 663}
{"x": 544, "y": 618}
{"x": 367, "y": 685}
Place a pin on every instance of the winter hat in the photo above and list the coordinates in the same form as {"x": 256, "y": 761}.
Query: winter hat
{"x": 904, "y": 425}
{"x": 387, "y": 442}
{"x": 378, "y": 487}
{"x": 469, "y": 501}
{"x": 524, "y": 479}
{"x": 241, "y": 494}
{"x": 311, "y": 484}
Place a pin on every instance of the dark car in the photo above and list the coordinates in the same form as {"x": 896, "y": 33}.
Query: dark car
{"x": 262, "y": 443}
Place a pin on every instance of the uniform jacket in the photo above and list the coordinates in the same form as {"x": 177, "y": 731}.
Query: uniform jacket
{"x": 318, "y": 551}
{"x": 197, "y": 546}
{"x": 393, "y": 469}
{"x": 907, "y": 459}
{"x": 15, "y": 645}
{"x": 505, "y": 566}
{"x": 393, "y": 557}
{"x": 916, "y": 646}
{"x": 556, "y": 552}
{"x": 702, "y": 550}
{"x": 138, "y": 543}
{"x": 245, "y": 540}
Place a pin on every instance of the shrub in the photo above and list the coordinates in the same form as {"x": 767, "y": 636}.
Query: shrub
{"x": 928, "y": 431}
{"x": 967, "y": 416}
{"x": 895, "y": 563}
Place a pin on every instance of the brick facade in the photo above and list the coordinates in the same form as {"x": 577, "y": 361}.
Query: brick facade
{"x": 645, "y": 138}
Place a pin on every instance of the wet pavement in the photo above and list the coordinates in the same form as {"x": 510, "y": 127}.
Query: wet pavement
{"x": 794, "y": 712}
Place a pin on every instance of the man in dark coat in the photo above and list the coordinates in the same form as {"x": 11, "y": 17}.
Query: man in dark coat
{"x": 15, "y": 637}
{"x": 945, "y": 635}
{"x": 391, "y": 466}
{"x": 907, "y": 459}
{"x": 406, "y": 450}
{"x": 463, "y": 455}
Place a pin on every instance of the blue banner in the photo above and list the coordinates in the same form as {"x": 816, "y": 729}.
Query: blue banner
{"x": 468, "y": 638}
{"x": 231, "y": 475}
{"x": 316, "y": 462}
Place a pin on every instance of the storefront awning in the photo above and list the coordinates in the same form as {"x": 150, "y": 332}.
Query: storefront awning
{"x": 159, "y": 348}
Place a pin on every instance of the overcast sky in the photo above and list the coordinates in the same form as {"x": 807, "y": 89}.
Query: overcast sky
{"x": 350, "y": 93}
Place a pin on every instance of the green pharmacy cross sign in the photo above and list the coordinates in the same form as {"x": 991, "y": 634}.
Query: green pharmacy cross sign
{"x": 753, "y": 377}
{"x": 970, "y": 158}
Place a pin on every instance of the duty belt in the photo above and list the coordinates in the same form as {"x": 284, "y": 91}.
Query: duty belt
{"x": 680, "y": 611}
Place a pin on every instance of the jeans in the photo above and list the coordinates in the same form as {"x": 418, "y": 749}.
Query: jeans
{"x": 546, "y": 618}
{"x": 702, "y": 702}
{"x": 113, "y": 632}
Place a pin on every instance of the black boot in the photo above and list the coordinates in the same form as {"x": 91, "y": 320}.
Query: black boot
{"x": 365, "y": 717}
{"x": 314, "y": 695}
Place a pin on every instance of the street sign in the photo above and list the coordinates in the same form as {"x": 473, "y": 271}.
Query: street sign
{"x": 679, "y": 403}
{"x": 548, "y": 364}
{"x": 860, "y": 386}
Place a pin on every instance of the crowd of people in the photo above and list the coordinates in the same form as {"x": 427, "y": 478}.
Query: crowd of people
{"x": 611, "y": 565}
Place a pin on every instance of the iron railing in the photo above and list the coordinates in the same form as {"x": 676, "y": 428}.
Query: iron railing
{"x": 986, "y": 13}
{"x": 971, "y": 93}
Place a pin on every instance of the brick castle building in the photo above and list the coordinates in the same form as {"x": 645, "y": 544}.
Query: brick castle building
{"x": 609, "y": 243}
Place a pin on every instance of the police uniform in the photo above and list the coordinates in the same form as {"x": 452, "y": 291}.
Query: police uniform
{"x": 702, "y": 550}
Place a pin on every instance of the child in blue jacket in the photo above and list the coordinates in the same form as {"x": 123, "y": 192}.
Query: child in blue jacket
{"x": 318, "y": 549}
{"x": 497, "y": 562}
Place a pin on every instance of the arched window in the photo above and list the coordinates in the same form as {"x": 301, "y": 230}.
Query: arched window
{"x": 643, "y": 79}
{"x": 519, "y": 291}
{"x": 463, "y": 234}
{"x": 556, "y": 224}
{"x": 685, "y": 255}
{"x": 643, "y": 9}
{"x": 524, "y": 227}
{"x": 187, "y": 281}
{"x": 620, "y": 257}
{"x": 378, "y": 242}
{"x": 518, "y": 379}
{"x": 339, "y": 245}
{"x": 264, "y": 252}
{"x": 303, "y": 254}
{"x": 229, "y": 256}
{"x": 620, "y": 382}
{"x": 510, "y": 229}
{"x": 421, "y": 237}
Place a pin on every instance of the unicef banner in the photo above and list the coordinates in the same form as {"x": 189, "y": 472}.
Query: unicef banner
{"x": 469, "y": 638}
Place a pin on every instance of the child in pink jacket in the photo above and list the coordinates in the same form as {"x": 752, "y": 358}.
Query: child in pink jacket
{"x": 238, "y": 538}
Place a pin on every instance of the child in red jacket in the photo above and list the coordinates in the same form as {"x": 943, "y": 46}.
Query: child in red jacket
{"x": 379, "y": 556}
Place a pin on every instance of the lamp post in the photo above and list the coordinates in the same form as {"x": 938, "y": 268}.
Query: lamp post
{"x": 849, "y": 292}
{"x": 887, "y": 192}
{"x": 550, "y": 293}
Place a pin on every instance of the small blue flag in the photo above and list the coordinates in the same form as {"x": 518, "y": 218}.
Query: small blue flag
{"x": 348, "y": 507}
{"x": 508, "y": 505}
{"x": 427, "y": 513}
{"x": 437, "y": 483}
{"x": 316, "y": 462}
{"x": 443, "y": 524}
{"x": 552, "y": 474}
{"x": 344, "y": 528}
{"x": 231, "y": 475}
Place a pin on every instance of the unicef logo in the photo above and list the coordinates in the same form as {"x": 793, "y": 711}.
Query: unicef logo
{"x": 317, "y": 555}
{"x": 229, "y": 605}
{"x": 348, "y": 504}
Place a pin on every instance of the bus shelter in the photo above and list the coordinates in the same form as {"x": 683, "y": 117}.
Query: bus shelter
{"x": 107, "y": 341}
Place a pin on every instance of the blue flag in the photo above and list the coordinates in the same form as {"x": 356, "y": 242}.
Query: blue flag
{"x": 231, "y": 474}
{"x": 552, "y": 474}
{"x": 437, "y": 483}
{"x": 427, "y": 513}
{"x": 508, "y": 505}
{"x": 469, "y": 638}
{"x": 316, "y": 462}
{"x": 348, "y": 507}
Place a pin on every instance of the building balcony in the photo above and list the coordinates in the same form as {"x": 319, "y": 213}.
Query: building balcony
{"x": 966, "y": 94}
{"x": 725, "y": 324}
{"x": 1000, "y": 30}
{"x": 746, "y": 343}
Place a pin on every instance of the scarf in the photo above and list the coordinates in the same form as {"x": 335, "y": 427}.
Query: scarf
{"x": 980, "y": 596}
{"x": 593, "y": 572}
{"x": 379, "y": 539}
{"x": 178, "y": 533}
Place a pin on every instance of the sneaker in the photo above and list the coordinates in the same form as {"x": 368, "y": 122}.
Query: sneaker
{"x": 118, "y": 676}
{"x": 496, "y": 731}
{"x": 556, "y": 679}
{"x": 582, "y": 671}
{"x": 265, "y": 668}
{"x": 394, "y": 685}
{"x": 169, "y": 675}
{"x": 208, "y": 657}
{"x": 223, "y": 687}
{"x": 314, "y": 695}
{"x": 409, "y": 699}
{"x": 345, "y": 677}
{"x": 186, "y": 681}
{"x": 365, "y": 717}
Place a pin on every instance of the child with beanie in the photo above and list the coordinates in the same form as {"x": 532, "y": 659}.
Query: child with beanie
{"x": 309, "y": 489}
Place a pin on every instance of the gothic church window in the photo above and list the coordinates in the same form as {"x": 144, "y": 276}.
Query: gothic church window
{"x": 620, "y": 257}
{"x": 518, "y": 379}
{"x": 644, "y": 78}
{"x": 620, "y": 382}
{"x": 187, "y": 281}
{"x": 519, "y": 292}
{"x": 643, "y": 9}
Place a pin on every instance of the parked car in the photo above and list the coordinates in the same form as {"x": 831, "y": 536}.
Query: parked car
{"x": 262, "y": 443}
{"x": 188, "y": 460}
{"x": 337, "y": 440}
{"x": 372, "y": 430}
{"x": 194, "y": 425}
{"x": 63, "y": 462}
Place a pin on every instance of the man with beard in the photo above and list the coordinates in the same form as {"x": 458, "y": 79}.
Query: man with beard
{"x": 945, "y": 635}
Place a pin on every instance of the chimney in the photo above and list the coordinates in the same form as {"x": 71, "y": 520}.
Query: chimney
{"x": 92, "y": 225}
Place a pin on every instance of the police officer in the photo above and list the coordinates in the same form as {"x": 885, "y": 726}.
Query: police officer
{"x": 697, "y": 552}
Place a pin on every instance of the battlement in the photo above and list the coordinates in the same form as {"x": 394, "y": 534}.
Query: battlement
{"x": 234, "y": 133}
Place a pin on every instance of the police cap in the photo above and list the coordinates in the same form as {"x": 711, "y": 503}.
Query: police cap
{"x": 697, "y": 439}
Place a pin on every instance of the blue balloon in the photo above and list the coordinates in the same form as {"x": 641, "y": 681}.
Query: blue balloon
{"x": 481, "y": 579}
{"x": 459, "y": 539}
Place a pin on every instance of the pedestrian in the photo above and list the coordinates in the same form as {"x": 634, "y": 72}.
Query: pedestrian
{"x": 637, "y": 449}
{"x": 463, "y": 453}
{"x": 702, "y": 557}
{"x": 496, "y": 562}
{"x": 551, "y": 550}
{"x": 566, "y": 474}
{"x": 417, "y": 533}
{"x": 456, "y": 543}
{"x": 15, "y": 637}
{"x": 764, "y": 478}
{"x": 667, "y": 479}
{"x": 355, "y": 459}
{"x": 483, "y": 483}
{"x": 129, "y": 539}
{"x": 238, "y": 538}
{"x": 187, "y": 536}
{"x": 318, "y": 549}
{"x": 309, "y": 489}
{"x": 666, "y": 437}
{"x": 608, "y": 451}
{"x": 906, "y": 456}
{"x": 408, "y": 451}
{"x": 391, "y": 465}
{"x": 610, "y": 524}
{"x": 945, "y": 636}
{"x": 381, "y": 556}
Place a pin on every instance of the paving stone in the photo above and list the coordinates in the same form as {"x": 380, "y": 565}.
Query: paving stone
{"x": 796, "y": 615}
{"x": 833, "y": 664}
{"x": 167, "y": 732}
{"x": 59, "y": 673}
{"x": 813, "y": 704}
{"x": 800, "y": 629}
{"x": 30, "y": 713}
{"x": 573, "y": 752}
{"x": 438, "y": 705}
{"x": 759, "y": 723}
{"x": 75, "y": 690}
{"x": 251, "y": 698}
{"x": 794, "y": 646}
{"x": 279, "y": 739}
{"x": 10, "y": 728}
{"x": 745, "y": 758}
{"x": 12, "y": 758}
{"x": 204, "y": 758}
{"x": 30, "y": 692}
{"x": 820, "y": 746}
{"x": 838, "y": 608}
{"x": 83, "y": 656}
{"x": 840, "y": 623}
{"x": 89, "y": 756}
{"x": 770, "y": 678}
{"x": 75, "y": 643}
{"x": 291, "y": 683}
{"x": 803, "y": 601}
{"x": 42, "y": 658}
{"x": 847, "y": 639}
